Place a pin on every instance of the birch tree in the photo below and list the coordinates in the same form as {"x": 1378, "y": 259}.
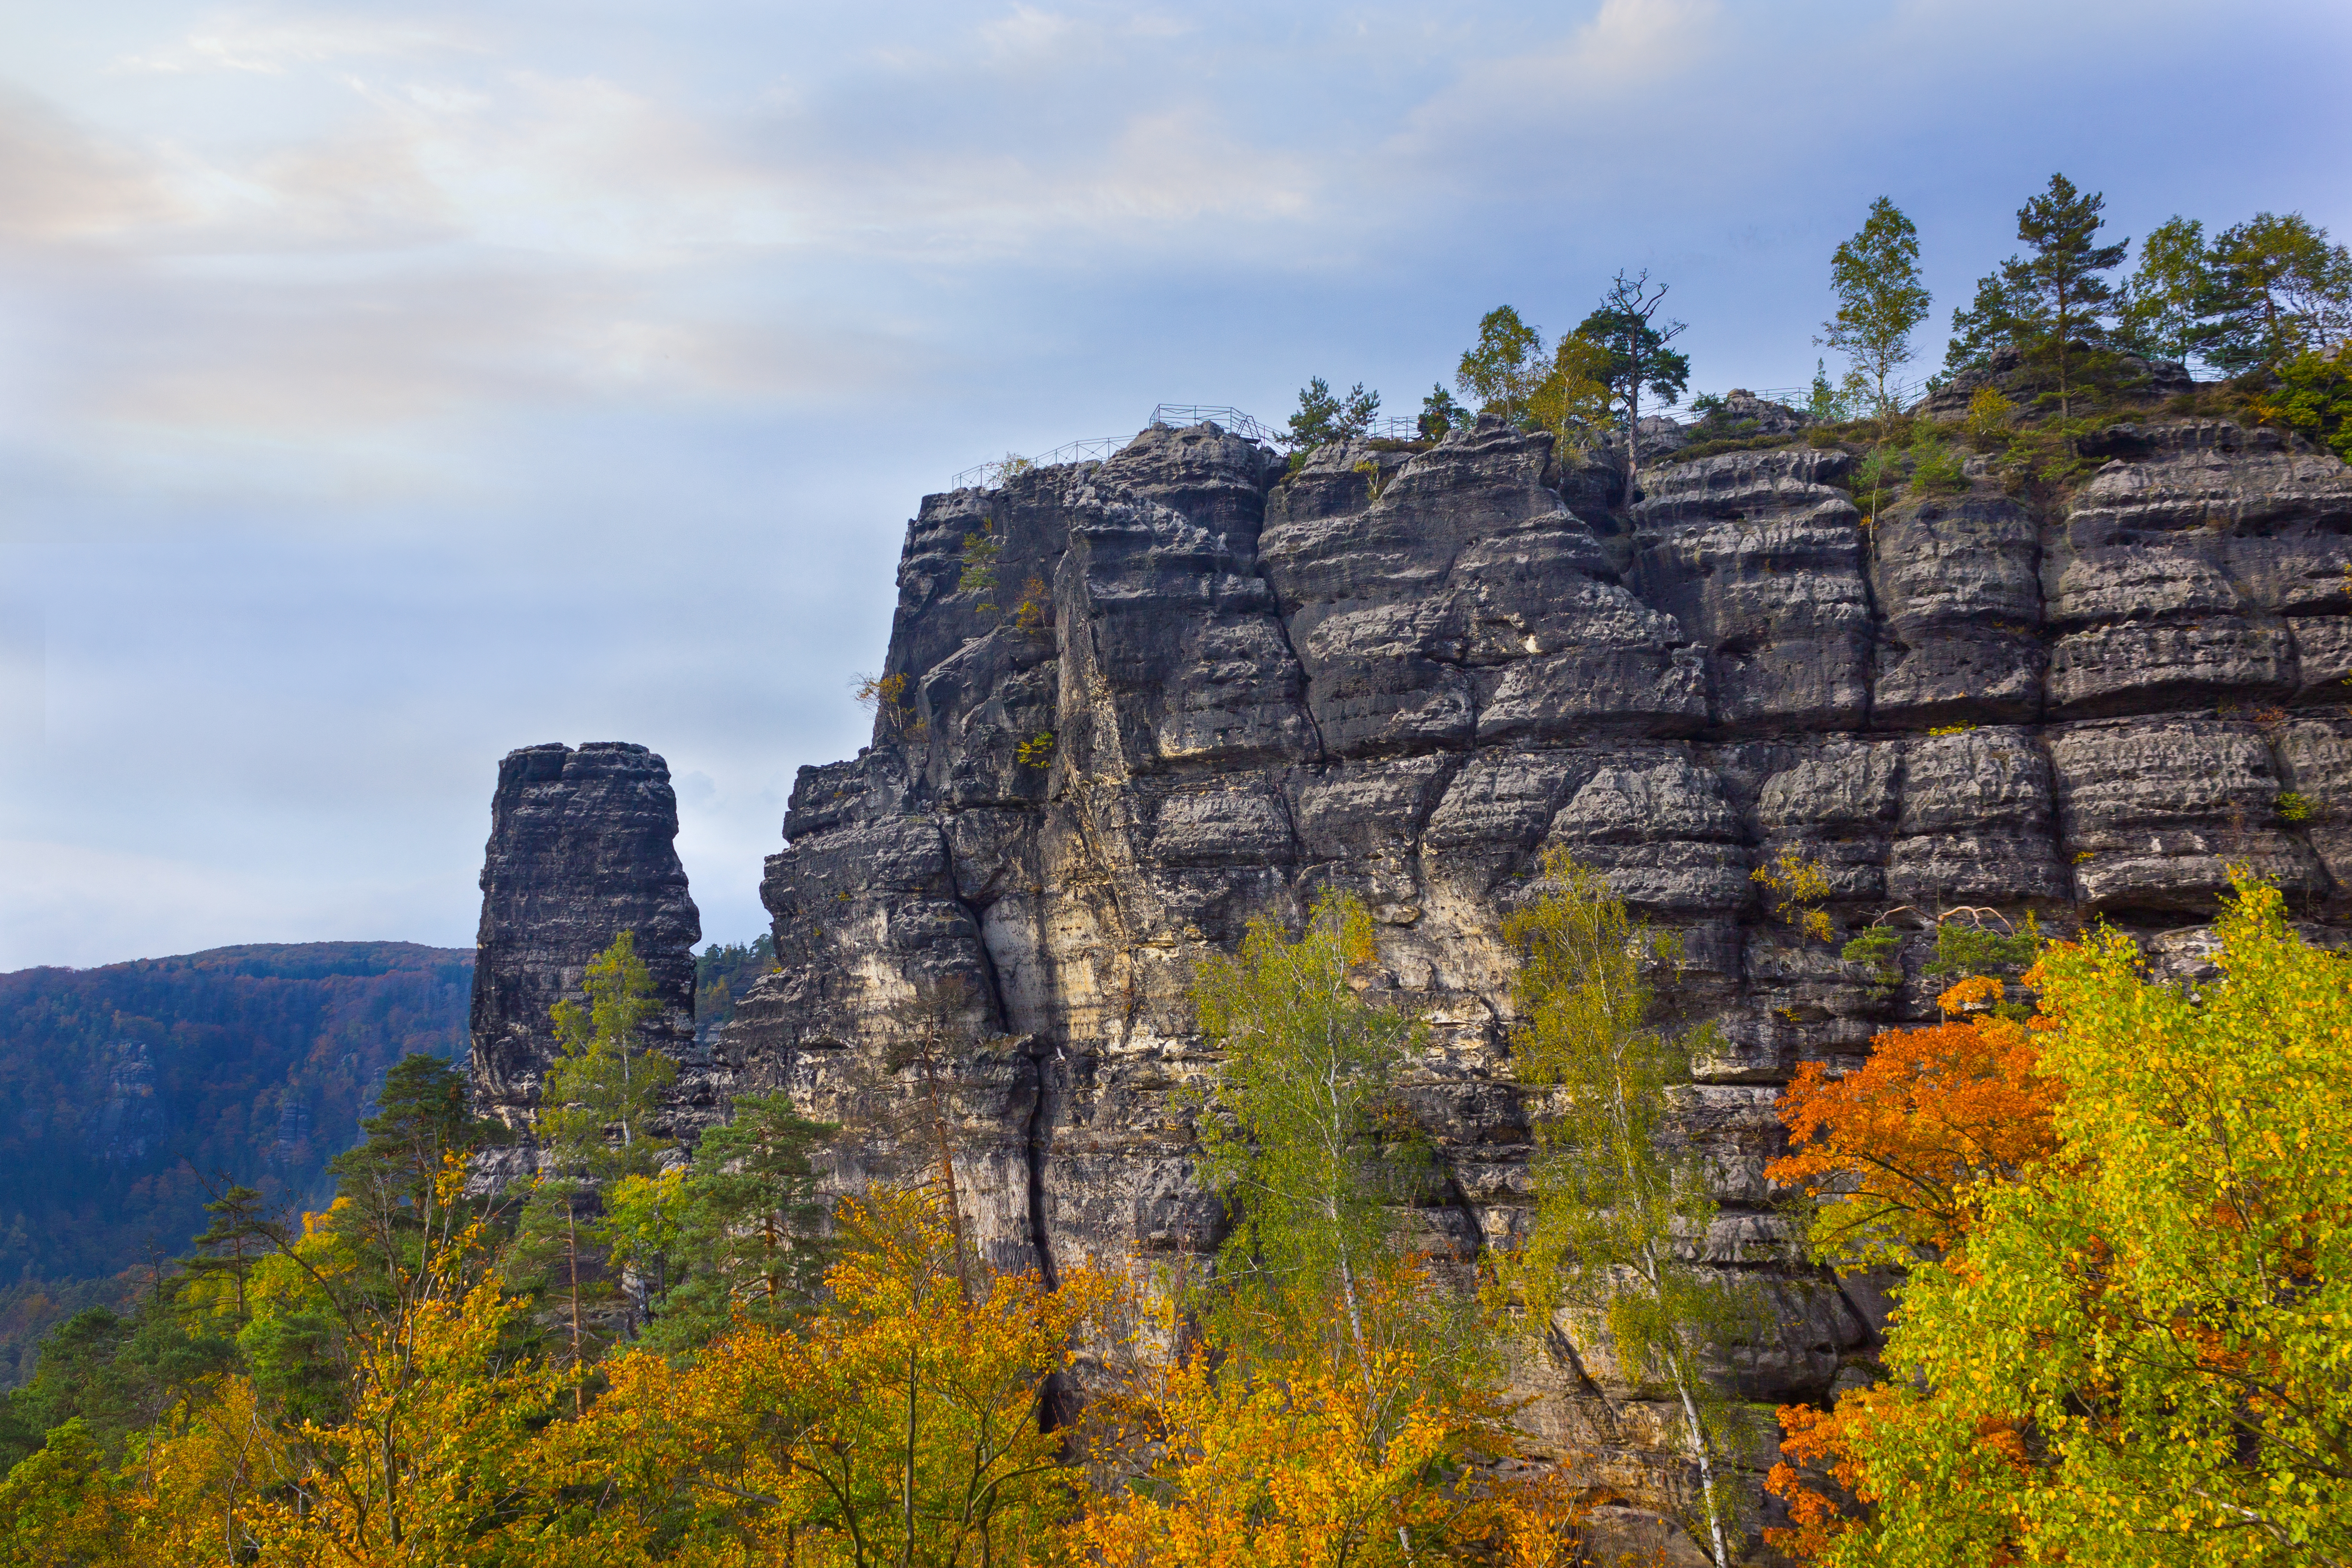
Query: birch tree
{"x": 1618, "y": 1198}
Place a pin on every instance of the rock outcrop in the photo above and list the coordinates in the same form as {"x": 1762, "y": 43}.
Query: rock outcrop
{"x": 581, "y": 849}
{"x": 1405, "y": 674}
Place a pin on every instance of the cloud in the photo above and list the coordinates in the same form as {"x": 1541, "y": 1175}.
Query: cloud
{"x": 278, "y": 47}
{"x": 62, "y": 185}
{"x": 1615, "y": 73}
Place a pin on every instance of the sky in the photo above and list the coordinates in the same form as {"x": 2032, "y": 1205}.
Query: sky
{"x": 385, "y": 387}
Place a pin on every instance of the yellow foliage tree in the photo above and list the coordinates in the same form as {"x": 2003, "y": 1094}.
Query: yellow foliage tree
{"x": 901, "y": 1426}
{"x": 1309, "y": 1460}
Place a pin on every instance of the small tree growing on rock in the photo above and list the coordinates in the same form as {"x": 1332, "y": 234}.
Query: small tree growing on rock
{"x": 1880, "y": 299}
{"x": 1627, "y": 326}
{"x": 1323, "y": 416}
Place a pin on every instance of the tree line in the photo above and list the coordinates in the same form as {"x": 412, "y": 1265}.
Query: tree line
{"x": 2121, "y": 1218}
{"x": 637, "y": 1356}
{"x": 2267, "y": 301}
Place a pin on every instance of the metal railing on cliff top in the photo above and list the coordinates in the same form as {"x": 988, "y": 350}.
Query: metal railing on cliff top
{"x": 989, "y": 475}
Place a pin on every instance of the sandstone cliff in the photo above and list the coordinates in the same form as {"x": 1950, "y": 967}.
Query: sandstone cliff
{"x": 1404, "y": 673}
{"x": 581, "y": 849}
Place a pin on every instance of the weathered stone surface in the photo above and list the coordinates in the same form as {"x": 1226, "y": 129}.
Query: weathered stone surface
{"x": 581, "y": 849}
{"x": 2158, "y": 810}
{"x": 1406, "y": 673}
{"x": 1962, "y": 605}
{"x": 1759, "y": 558}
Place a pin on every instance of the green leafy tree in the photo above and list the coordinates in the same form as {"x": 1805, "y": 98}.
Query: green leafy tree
{"x": 1323, "y": 416}
{"x": 1503, "y": 370}
{"x": 1627, "y": 326}
{"x": 62, "y": 1508}
{"x": 1619, "y": 1195}
{"x": 1572, "y": 399}
{"x": 2279, "y": 289}
{"x": 1440, "y": 412}
{"x": 1880, "y": 299}
{"x": 976, "y": 568}
{"x": 1308, "y": 1085}
{"x": 742, "y": 1222}
{"x": 2315, "y": 395}
{"x": 2161, "y": 309}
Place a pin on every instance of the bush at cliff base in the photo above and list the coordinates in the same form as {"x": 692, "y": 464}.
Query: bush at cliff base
{"x": 2140, "y": 1349}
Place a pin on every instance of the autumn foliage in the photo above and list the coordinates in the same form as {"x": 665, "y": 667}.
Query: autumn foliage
{"x": 1895, "y": 1153}
{"x": 2131, "y": 1341}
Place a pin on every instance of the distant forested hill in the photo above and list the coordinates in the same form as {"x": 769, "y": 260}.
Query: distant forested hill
{"x": 123, "y": 1090}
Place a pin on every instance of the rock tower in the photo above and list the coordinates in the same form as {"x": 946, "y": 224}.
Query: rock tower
{"x": 581, "y": 849}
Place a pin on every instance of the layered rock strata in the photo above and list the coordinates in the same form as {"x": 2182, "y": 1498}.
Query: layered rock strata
{"x": 581, "y": 849}
{"x": 1406, "y": 673}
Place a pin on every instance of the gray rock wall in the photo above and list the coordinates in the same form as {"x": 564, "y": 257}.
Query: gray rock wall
{"x": 581, "y": 849}
{"x": 1406, "y": 674}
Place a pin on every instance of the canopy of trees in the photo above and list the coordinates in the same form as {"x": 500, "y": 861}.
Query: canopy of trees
{"x": 2129, "y": 1231}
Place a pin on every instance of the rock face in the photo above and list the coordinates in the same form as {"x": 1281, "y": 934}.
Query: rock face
{"x": 1405, "y": 674}
{"x": 580, "y": 850}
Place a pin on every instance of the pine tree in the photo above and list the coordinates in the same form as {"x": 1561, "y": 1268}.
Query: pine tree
{"x": 1626, "y": 326}
{"x": 2000, "y": 318}
{"x": 1875, "y": 277}
{"x": 240, "y": 1235}
{"x": 1324, "y": 418}
{"x": 743, "y": 1222}
{"x": 1440, "y": 414}
{"x": 2061, "y": 226}
{"x": 602, "y": 1093}
{"x": 597, "y": 1104}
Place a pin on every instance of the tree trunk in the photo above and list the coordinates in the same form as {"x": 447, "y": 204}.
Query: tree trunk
{"x": 572, "y": 1250}
{"x": 1632, "y": 437}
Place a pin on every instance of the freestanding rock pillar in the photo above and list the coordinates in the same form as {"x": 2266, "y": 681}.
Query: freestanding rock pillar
{"x": 582, "y": 848}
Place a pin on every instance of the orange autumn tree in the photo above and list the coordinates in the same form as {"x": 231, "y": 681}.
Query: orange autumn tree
{"x": 1892, "y": 1156}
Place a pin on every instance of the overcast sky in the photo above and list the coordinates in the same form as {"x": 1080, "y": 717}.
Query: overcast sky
{"x": 386, "y": 387}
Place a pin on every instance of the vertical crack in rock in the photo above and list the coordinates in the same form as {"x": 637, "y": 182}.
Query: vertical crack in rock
{"x": 1036, "y": 1142}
